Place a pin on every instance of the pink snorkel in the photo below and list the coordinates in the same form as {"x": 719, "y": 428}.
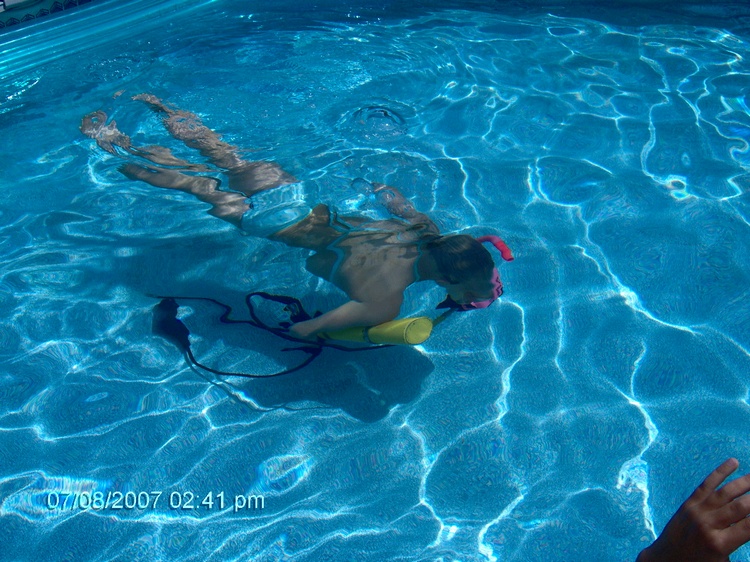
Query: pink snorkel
{"x": 497, "y": 285}
{"x": 499, "y": 244}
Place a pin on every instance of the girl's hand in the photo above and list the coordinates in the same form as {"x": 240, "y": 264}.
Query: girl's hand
{"x": 303, "y": 330}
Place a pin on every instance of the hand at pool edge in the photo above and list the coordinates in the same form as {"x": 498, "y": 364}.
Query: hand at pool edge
{"x": 710, "y": 525}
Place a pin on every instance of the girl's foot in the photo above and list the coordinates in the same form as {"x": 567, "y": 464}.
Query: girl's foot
{"x": 94, "y": 125}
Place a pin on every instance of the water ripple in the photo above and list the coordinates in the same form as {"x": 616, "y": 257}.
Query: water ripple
{"x": 566, "y": 420}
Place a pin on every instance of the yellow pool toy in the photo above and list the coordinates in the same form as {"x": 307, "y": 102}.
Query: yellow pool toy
{"x": 409, "y": 331}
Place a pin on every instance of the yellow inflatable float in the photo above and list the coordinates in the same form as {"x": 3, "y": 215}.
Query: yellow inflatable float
{"x": 409, "y": 331}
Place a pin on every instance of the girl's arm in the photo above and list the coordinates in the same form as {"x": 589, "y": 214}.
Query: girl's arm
{"x": 398, "y": 205}
{"x": 348, "y": 315}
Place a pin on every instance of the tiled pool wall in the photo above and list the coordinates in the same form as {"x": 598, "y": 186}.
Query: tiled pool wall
{"x": 12, "y": 14}
{"x": 733, "y": 15}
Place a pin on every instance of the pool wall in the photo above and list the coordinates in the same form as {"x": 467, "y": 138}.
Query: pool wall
{"x": 28, "y": 11}
{"x": 730, "y": 14}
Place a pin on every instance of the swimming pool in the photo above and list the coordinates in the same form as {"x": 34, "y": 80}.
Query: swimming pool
{"x": 566, "y": 422}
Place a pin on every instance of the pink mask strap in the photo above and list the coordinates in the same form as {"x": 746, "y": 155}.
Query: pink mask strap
{"x": 499, "y": 244}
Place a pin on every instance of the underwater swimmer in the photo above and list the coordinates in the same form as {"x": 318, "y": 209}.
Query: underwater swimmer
{"x": 372, "y": 261}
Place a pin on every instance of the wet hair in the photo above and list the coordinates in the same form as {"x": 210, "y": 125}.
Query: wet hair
{"x": 459, "y": 257}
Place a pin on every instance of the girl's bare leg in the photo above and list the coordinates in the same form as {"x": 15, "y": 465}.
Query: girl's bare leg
{"x": 110, "y": 138}
{"x": 226, "y": 205}
{"x": 244, "y": 176}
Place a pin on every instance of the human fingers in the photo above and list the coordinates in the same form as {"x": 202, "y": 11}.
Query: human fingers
{"x": 735, "y": 536}
{"x": 732, "y": 513}
{"x": 301, "y": 331}
{"x": 713, "y": 480}
{"x": 735, "y": 488}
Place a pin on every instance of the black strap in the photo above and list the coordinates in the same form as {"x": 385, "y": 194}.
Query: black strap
{"x": 166, "y": 324}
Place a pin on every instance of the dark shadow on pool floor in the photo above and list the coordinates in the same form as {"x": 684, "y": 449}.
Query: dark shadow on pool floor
{"x": 365, "y": 384}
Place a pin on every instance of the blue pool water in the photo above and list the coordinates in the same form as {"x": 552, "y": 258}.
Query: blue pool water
{"x": 566, "y": 422}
